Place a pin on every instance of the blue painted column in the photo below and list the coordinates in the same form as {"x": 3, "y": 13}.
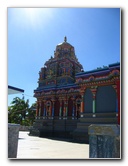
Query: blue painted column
{"x": 116, "y": 105}
{"x": 66, "y": 111}
{"x": 39, "y": 108}
{"x": 44, "y": 110}
{"x": 67, "y": 106}
{"x": 73, "y": 111}
{"x": 53, "y": 109}
{"x": 60, "y": 112}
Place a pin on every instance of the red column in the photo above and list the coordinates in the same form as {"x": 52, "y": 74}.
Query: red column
{"x": 82, "y": 103}
{"x": 65, "y": 106}
{"x": 64, "y": 111}
{"x": 41, "y": 114}
{"x": 37, "y": 109}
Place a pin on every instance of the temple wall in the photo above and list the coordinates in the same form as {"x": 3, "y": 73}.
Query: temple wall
{"x": 88, "y": 99}
{"x": 105, "y": 99}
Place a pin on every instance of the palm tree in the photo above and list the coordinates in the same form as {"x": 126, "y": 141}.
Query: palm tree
{"x": 18, "y": 110}
{"x": 31, "y": 114}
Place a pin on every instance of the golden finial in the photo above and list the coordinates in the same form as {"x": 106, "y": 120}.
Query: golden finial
{"x": 65, "y": 39}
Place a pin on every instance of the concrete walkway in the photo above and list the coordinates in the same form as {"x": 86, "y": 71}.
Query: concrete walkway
{"x": 30, "y": 147}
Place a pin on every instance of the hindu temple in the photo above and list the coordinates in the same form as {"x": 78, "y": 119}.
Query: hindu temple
{"x": 69, "y": 99}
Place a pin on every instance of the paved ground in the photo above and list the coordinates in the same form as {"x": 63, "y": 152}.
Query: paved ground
{"x": 30, "y": 147}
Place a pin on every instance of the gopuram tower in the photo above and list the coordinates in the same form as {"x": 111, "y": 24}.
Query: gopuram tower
{"x": 60, "y": 69}
{"x": 56, "y": 93}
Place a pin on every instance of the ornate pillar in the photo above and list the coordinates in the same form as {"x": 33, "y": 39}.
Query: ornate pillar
{"x": 82, "y": 98}
{"x": 37, "y": 109}
{"x": 65, "y": 108}
{"x": 118, "y": 97}
{"x": 44, "y": 114}
{"x": 41, "y": 113}
{"x": 64, "y": 111}
{"x": 60, "y": 112}
{"x": 50, "y": 110}
{"x": 76, "y": 109}
{"x": 73, "y": 110}
{"x": 94, "y": 90}
{"x": 117, "y": 89}
{"x": 53, "y": 103}
{"x": 82, "y": 102}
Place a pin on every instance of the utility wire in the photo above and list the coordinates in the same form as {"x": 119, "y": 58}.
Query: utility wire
{"x": 27, "y": 95}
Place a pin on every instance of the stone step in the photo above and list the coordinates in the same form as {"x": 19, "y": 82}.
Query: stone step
{"x": 99, "y": 120}
{"x": 111, "y": 114}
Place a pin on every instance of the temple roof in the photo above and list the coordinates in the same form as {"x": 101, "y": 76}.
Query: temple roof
{"x": 99, "y": 71}
{"x": 65, "y": 43}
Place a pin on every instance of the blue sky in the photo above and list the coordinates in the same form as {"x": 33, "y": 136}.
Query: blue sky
{"x": 33, "y": 34}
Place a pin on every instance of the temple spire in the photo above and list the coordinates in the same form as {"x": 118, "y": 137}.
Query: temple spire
{"x": 65, "y": 39}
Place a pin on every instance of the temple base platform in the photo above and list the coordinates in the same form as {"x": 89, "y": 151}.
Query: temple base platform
{"x": 54, "y": 127}
{"x": 71, "y": 128}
